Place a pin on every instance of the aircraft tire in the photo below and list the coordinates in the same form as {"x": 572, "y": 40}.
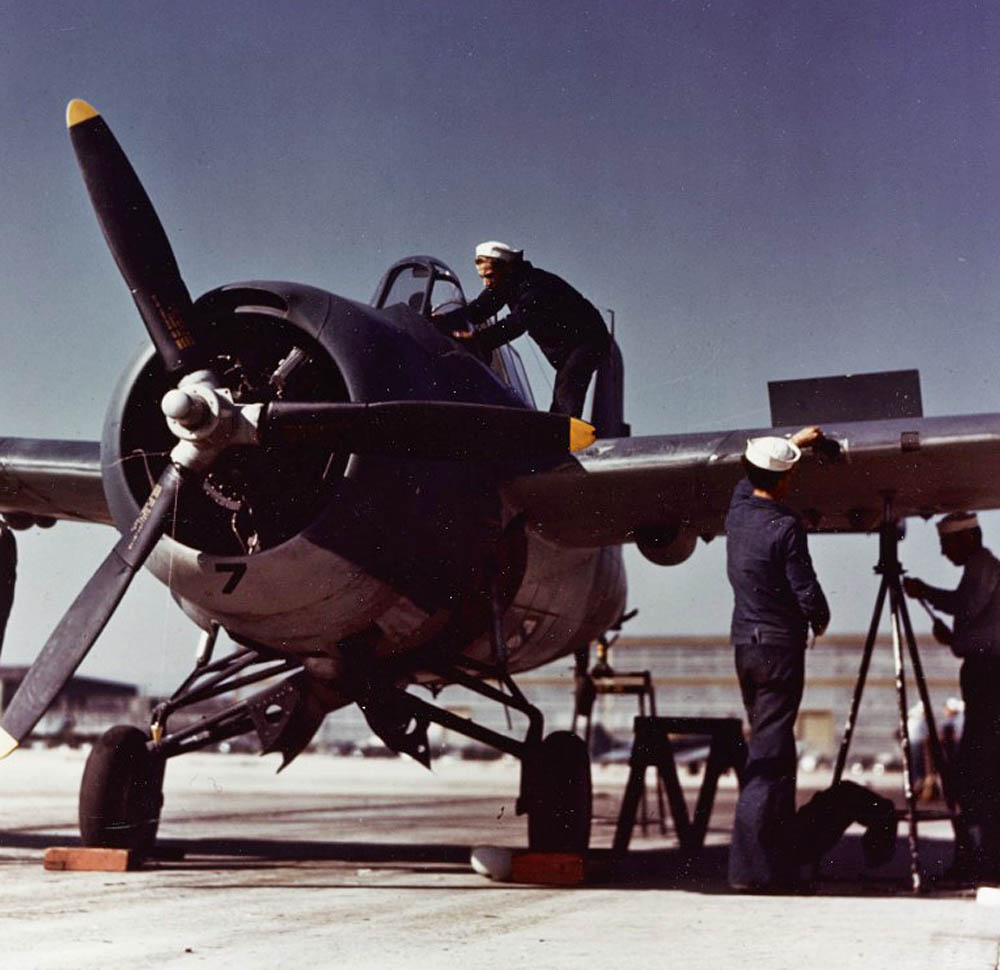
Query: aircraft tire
{"x": 561, "y": 797}
{"x": 121, "y": 792}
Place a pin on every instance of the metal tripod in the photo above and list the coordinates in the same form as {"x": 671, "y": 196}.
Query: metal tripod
{"x": 889, "y": 568}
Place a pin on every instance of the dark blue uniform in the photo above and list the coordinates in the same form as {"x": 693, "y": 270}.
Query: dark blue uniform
{"x": 976, "y": 640}
{"x": 776, "y": 598}
{"x": 566, "y": 326}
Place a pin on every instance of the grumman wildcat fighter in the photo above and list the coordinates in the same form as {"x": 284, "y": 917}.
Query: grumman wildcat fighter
{"x": 364, "y": 505}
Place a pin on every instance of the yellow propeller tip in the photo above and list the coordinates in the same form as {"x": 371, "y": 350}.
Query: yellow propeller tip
{"x": 581, "y": 434}
{"x": 77, "y": 111}
{"x": 7, "y": 743}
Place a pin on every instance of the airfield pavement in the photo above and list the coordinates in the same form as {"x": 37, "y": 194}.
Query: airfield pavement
{"x": 348, "y": 862}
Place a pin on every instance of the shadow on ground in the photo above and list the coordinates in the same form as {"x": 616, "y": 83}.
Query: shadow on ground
{"x": 842, "y": 872}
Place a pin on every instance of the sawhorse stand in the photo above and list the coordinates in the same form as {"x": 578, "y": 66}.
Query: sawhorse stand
{"x": 891, "y": 571}
{"x": 652, "y": 746}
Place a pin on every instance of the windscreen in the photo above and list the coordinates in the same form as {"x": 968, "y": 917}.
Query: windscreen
{"x": 408, "y": 286}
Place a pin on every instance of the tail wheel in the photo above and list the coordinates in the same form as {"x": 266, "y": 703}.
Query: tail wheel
{"x": 560, "y": 795}
{"x": 121, "y": 792}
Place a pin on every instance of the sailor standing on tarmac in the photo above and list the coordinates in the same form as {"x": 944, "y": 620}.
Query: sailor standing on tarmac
{"x": 777, "y": 598}
{"x": 975, "y": 604}
{"x": 568, "y": 328}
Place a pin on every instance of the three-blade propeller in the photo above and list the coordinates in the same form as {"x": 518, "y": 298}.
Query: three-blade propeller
{"x": 439, "y": 430}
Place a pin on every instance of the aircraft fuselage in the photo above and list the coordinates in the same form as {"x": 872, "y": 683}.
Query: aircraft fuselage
{"x": 302, "y": 550}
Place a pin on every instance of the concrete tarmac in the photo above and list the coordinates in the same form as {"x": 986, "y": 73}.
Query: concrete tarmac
{"x": 343, "y": 862}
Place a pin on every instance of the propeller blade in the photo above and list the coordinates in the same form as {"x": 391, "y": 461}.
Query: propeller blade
{"x": 83, "y": 622}
{"x": 427, "y": 429}
{"x": 135, "y": 237}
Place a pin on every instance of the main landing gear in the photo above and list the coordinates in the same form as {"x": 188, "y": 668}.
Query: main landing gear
{"x": 121, "y": 793}
{"x": 556, "y": 789}
{"x": 122, "y": 790}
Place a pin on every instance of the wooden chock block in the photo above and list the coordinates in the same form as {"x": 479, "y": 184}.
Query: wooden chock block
{"x": 550, "y": 868}
{"x": 80, "y": 859}
{"x": 521, "y": 865}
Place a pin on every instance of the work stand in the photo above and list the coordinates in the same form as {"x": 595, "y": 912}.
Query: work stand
{"x": 652, "y": 747}
{"x": 891, "y": 587}
{"x": 602, "y": 679}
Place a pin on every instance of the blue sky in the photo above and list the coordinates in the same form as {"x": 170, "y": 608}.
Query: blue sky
{"x": 759, "y": 191}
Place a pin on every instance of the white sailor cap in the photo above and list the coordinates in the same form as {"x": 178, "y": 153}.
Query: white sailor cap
{"x": 498, "y": 250}
{"x": 957, "y": 522}
{"x": 772, "y": 453}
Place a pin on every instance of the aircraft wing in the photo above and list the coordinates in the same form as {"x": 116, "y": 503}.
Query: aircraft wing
{"x": 620, "y": 488}
{"x": 52, "y": 479}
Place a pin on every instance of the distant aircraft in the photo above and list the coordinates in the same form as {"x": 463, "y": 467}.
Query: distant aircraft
{"x": 364, "y": 505}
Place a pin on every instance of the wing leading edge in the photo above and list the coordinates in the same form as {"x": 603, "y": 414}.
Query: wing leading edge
{"x": 52, "y": 478}
{"x": 619, "y": 487}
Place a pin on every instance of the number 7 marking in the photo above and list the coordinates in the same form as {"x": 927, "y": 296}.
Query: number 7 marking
{"x": 238, "y": 571}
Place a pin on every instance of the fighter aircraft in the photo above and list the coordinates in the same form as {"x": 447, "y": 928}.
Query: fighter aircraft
{"x": 364, "y": 505}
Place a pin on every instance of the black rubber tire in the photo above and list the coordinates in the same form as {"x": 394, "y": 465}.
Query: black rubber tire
{"x": 121, "y": 792}
{"x": 560, "y": 796}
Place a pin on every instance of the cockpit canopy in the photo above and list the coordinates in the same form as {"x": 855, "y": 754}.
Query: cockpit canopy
{"x": 428, "y": 286}
{"x": 423, "y": 283}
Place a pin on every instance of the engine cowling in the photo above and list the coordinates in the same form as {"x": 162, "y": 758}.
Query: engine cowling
{"x": 254, "y": 498}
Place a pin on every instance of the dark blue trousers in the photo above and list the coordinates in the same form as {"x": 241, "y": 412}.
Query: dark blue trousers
{"x": 573, "y": 378}
{"x": 762, "y": 852}
{"x": 978, "y": 768}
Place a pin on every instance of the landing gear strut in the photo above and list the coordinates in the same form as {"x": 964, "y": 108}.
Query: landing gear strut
{"x": 556, "y": 791}
{"x": 121, "y": 792}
